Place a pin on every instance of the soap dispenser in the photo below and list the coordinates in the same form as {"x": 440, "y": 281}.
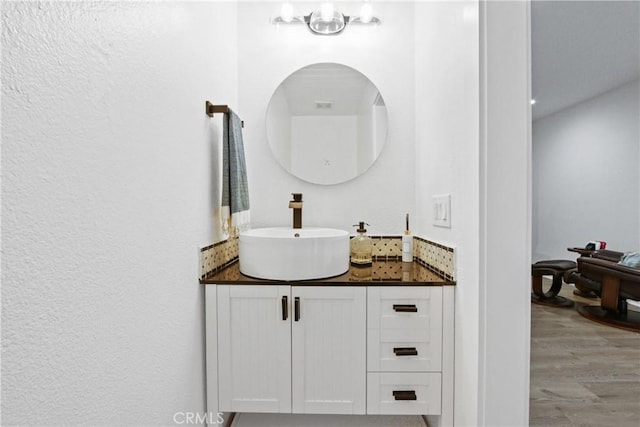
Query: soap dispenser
{"x": 361, "y": 248}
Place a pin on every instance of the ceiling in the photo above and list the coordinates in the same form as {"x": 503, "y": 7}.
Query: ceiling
{"x": 581, "y": 49}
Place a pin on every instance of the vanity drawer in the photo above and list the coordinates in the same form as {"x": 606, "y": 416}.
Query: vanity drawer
{"x": 404, "y": 307}
{"x": 404, "y": 393}
{"x": 403, "y": 350}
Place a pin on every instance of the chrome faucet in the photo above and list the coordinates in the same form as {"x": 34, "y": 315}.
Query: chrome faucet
{"x": 296, "y": 205}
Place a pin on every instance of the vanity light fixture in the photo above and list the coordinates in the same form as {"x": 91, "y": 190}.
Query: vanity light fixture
{"x": 286, "y": 13}
{"x": 327, "y": 20}
{"x": 366, "y": 12}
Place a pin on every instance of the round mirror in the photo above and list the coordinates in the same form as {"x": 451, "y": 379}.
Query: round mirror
{"x": 326, "y": 123}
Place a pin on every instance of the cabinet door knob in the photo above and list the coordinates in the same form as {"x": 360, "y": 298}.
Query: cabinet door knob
{"x": 285, "y": 307}
{"x": 296, "y": 309}
{"x": 404, "y": 395}
{"x": 405, "y": 308}
{"x": 405, "y": 351}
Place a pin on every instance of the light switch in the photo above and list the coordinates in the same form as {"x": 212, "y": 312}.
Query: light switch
{"x": 442, "y": 210}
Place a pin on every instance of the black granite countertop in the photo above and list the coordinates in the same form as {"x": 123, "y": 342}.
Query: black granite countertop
{"x": 382, "y": 273}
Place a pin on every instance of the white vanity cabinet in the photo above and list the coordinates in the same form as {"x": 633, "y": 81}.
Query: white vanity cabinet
{"x": 299, "y": 349}
{"x": 306, "y": 349}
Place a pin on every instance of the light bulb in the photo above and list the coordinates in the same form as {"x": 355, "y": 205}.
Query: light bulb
{"x": 326, "y": 11}
{"x": 366, "y": 12}
{"x": 286, "y": 13}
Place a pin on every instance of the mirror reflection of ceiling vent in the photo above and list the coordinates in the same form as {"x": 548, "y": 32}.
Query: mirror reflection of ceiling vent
{"x": 324, "y": 105}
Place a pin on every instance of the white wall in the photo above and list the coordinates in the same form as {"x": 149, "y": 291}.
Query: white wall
{"x": 268, "y": 54}
{"x": 472, "y": 141}
{"x": 106, "y": 158}
{"x": 447, "y": 140}
{"x": 586, "y": 175}
{"x": 505, "y": 213}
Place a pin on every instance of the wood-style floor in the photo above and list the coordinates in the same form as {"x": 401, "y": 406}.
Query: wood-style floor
{"x": 582, "y": 373}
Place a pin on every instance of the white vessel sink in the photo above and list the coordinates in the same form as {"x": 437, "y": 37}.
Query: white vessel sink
{"x": 282, "y": 253}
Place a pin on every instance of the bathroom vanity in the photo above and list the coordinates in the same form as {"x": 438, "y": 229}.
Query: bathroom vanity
{"x": 380, "y": 343}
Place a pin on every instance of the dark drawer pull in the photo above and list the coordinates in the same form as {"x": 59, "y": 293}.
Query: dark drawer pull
{"x": 405, "y": 351}
{"x": 285, "y": 307}
{"x": 405, "y": 395}
{"x": 405, "y": 308}
{"x": 296, "y": 308}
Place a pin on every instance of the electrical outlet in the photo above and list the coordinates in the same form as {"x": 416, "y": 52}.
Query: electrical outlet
{"x": 442, "y": 210}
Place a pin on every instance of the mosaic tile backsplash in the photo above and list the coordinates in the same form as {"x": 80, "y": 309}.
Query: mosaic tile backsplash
{"x": 215, "y": 257}
{"x": 387, "y": 246}
{"x": 434, "y": 256}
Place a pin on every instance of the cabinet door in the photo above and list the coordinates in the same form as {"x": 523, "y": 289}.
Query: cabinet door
{"x": 329, "y": 350}
{"x": 254, "y": 348}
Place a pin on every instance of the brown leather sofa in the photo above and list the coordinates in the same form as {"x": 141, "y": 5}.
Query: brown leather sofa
{"x": 613, "y": 283}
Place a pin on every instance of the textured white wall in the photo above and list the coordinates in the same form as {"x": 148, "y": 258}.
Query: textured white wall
{"x": 587, "y": 175}
{"x": 106, "y": 158}
{"x": 268, "y": 54}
